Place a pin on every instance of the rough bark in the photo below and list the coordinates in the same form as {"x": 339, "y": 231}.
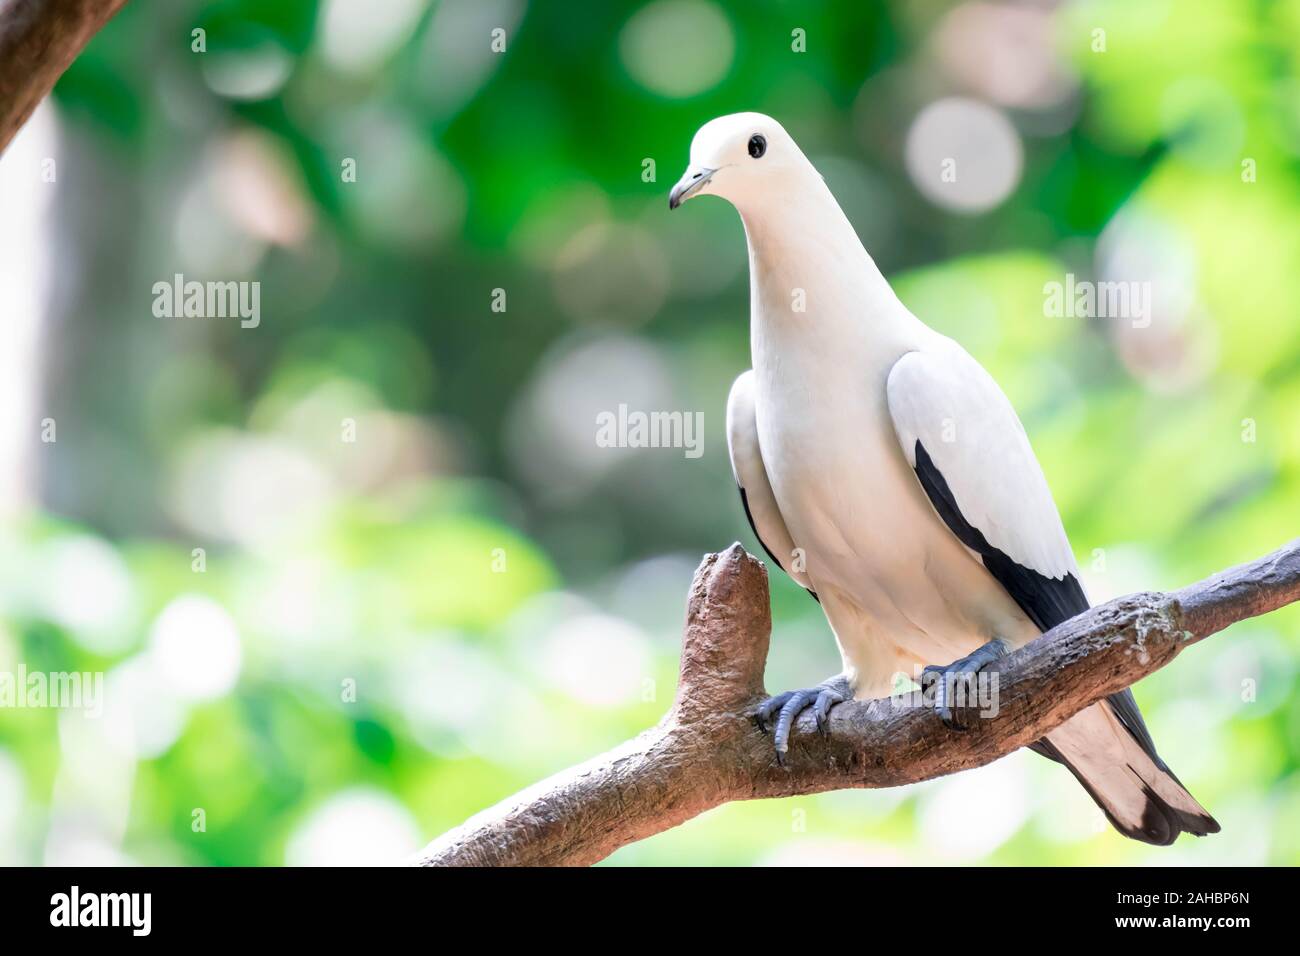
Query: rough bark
{"x": 39, "y": 39}
{"x": 707, "y": 750}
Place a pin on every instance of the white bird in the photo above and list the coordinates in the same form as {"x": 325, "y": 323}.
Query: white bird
{"x": 885, "y": 470}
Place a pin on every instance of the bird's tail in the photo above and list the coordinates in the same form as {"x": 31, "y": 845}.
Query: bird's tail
{"x": 1107, "y": 747}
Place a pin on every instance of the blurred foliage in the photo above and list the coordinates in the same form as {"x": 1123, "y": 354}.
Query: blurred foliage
{"x": 383, "y": 636}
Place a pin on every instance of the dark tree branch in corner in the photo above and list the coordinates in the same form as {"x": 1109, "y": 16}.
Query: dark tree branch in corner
{"x": 39, "y": 39}
{"x": 707, "y": 751}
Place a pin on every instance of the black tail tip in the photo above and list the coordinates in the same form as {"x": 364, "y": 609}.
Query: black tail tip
{"x": 1162, "y": 823}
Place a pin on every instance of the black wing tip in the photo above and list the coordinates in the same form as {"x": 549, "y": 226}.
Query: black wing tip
{"x": 749, "y": 516}
{"x": 1046, "y": 601}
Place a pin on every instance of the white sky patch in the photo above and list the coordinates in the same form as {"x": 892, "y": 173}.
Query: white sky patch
{"x": 596, "y": 659}
{"x": 13, "y": 796}
{"x": 1191, "y": 732}
{"x": 358, "y": 827}
{"x": 221, "y": 488}
{"x": 195, "y": 647}
{"x": 969, "y": 815}
{"x": 142, "y": 717}
{"x": 82, "y": 584}
{"x": 1063, "y": 811}
{"x": 456, "y": 700}
{"x": 70, "y": 842}
{"x": 443, "y": 688}
{"x": 91, "y": 802}
{"x": 295, "y": 608}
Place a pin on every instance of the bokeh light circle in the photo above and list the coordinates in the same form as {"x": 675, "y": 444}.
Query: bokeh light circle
{"x": 196, "y": 647}
{"x": 963, "y": 155}
{"x": 678, "y": 48}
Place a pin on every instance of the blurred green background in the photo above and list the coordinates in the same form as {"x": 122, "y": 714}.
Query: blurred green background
{"x": 384, "y": 635}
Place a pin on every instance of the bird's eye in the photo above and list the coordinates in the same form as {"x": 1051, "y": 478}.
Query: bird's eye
{"x": 757, "y": 145}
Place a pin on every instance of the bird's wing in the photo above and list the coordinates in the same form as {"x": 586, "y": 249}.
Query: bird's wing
{"x": 972, "y": 457}
{"x": 751, "y": 478}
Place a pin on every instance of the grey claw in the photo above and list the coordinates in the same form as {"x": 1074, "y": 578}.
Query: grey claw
{"x": 822, "y": 710}
{"x": 770, "y": 707}
{"x": 787, "y": 707}
{"x": 961, "y": 673}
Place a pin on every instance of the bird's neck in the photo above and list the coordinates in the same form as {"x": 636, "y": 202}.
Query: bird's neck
{"x": 812, "y": 279}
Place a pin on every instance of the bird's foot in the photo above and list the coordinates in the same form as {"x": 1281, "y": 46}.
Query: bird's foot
{"x": 788, "y": 706}
{"x": 956, "y": 686}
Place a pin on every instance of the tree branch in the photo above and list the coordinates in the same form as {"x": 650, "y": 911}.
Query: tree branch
{"x": 707, "y": 751}
{"x": 39, "y": 39}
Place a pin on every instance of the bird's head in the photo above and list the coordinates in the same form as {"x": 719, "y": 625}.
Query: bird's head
{"x": 741, "y": 157}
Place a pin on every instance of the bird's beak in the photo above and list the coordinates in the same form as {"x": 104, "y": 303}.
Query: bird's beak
{"x": 692, "y": 181}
